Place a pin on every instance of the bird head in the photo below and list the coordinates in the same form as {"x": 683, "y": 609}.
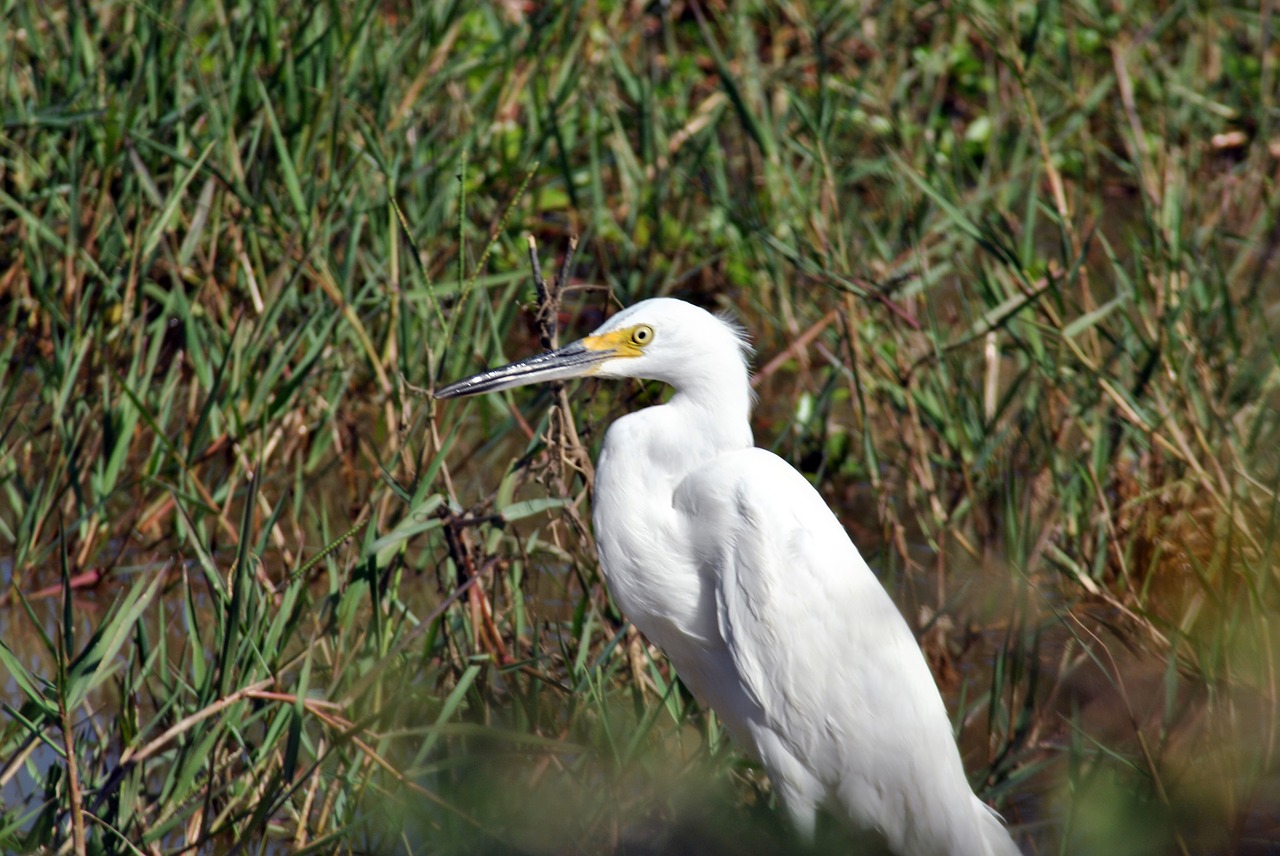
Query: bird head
{"x": 661, "y": 339}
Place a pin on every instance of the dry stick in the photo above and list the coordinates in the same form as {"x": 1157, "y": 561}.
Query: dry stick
{"x": 484, "y": 629}
{"x": 327, "y": 808}
{"x": 129, "y": 756}
{"x": 292, "y": 698}
{"x": 521, "y": 423}
{"x": 73, "y": 779}
{"x": 490, "y": 628}
{"x": 799, "y": 344}
{"x": 308, "y": 799}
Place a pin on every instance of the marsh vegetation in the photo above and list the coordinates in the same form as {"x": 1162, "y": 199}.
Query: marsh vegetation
{"x": 1011, "y": 272}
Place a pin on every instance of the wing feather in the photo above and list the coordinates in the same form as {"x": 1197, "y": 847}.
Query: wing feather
{"x": 840, "y": 686}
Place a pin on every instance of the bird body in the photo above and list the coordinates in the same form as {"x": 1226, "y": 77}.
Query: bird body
{"x": 727, "y": 559}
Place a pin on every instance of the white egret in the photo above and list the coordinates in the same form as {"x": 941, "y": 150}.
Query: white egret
{"x": 725, "y": 557}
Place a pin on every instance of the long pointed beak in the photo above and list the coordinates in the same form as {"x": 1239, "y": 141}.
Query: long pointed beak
{"x": 571, "y": 361}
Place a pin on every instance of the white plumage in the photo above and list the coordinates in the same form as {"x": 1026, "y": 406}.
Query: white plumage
{"x": 726, "y": 558}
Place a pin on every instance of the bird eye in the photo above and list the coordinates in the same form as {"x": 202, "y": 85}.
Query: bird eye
{"x": 642, "y": 335}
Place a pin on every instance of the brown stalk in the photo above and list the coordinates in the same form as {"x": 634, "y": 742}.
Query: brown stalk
{"x": 485, "y": 630}
{"x": 131, "y": 756}
{"x": 799, "y": 344}
{"x": 73, "y": 780}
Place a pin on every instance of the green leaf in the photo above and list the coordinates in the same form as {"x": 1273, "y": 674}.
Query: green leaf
{"x": 529, "y": 507}
{"x": 26, "y": 682}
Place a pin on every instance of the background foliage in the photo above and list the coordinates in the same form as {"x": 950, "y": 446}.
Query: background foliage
{"x": 1011, "y": 274}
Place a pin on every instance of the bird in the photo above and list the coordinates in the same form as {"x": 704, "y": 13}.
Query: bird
{"x": 725, "y": 556}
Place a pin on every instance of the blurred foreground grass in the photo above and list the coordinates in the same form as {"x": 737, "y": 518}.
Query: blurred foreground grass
{"x": 1011, "y": 271}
